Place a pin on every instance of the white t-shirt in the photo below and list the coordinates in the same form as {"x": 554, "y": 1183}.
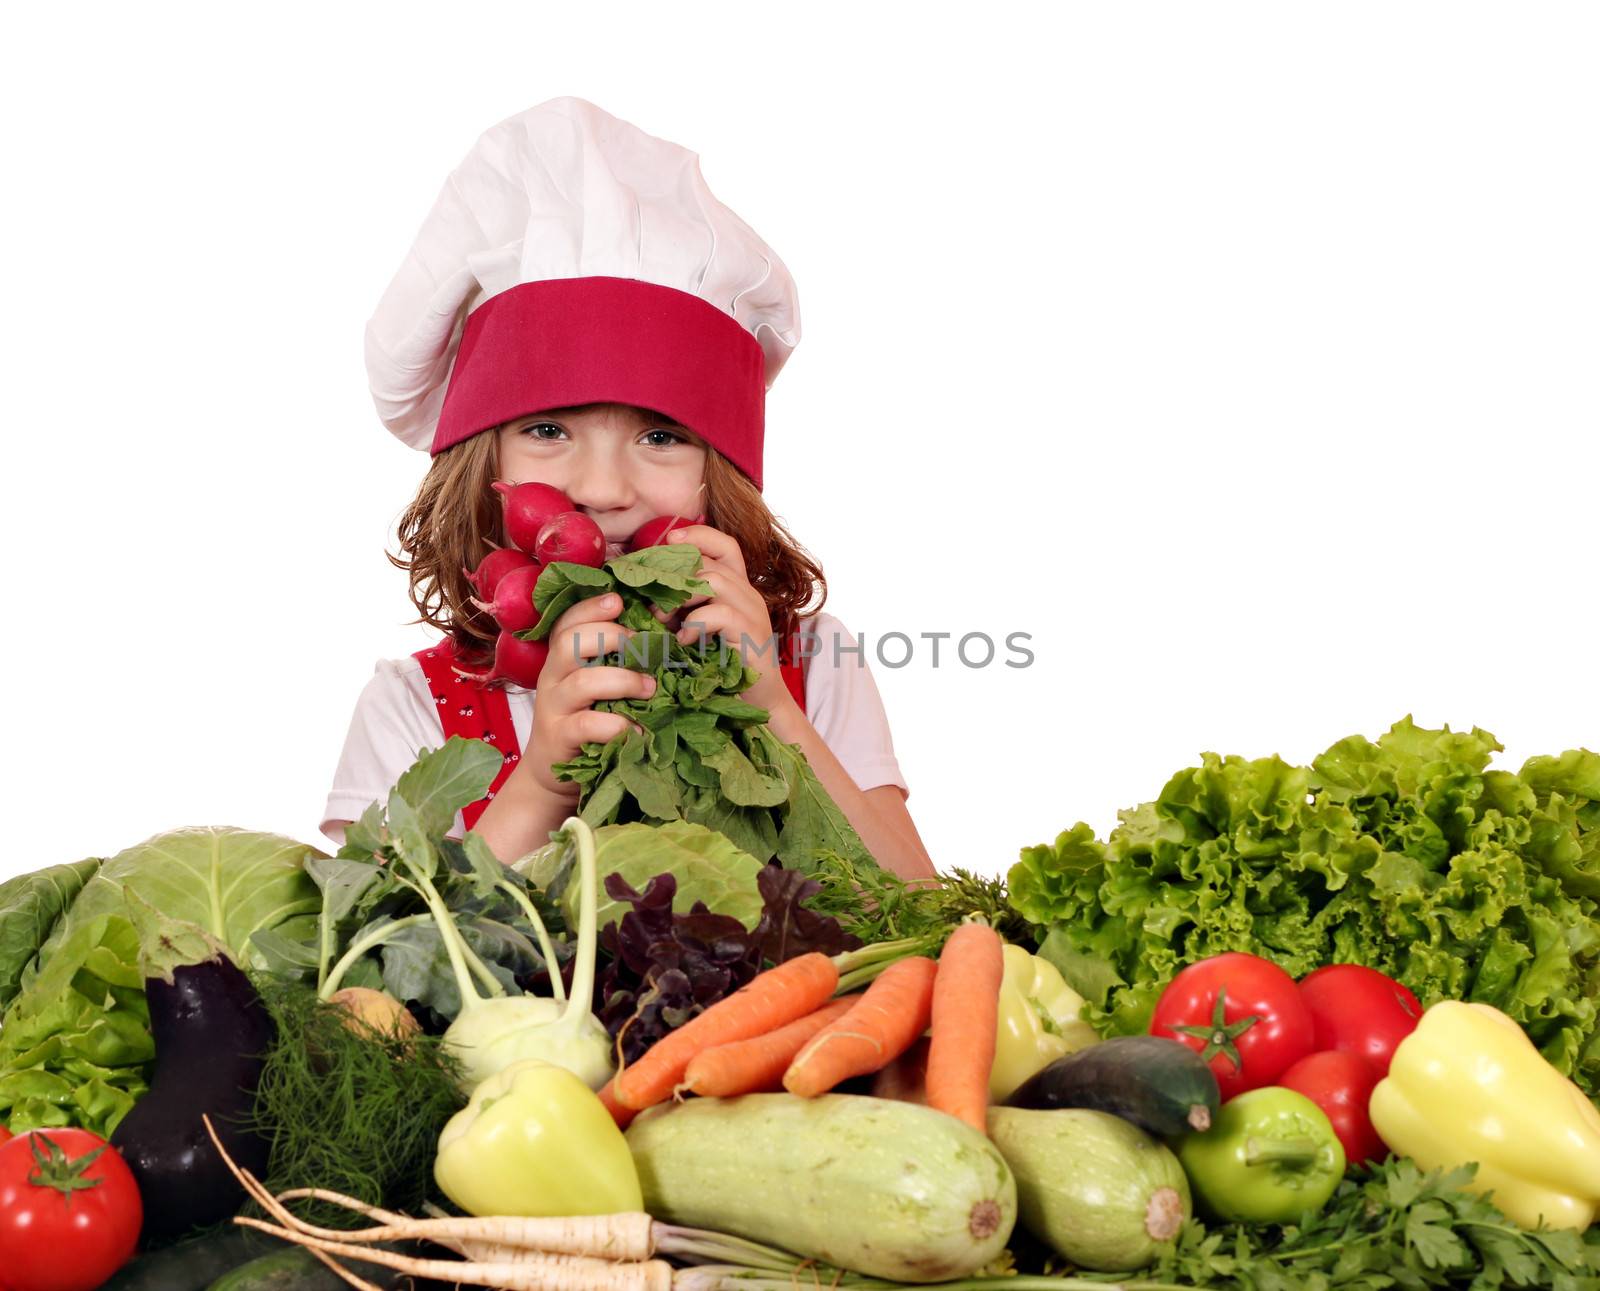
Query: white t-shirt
{"x": 396, "y": 717}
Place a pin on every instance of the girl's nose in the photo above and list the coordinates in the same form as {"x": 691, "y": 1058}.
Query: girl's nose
{"x": 599, "y": 484}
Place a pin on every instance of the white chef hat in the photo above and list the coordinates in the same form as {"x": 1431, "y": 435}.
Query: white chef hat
{"x": 571, "y": 259}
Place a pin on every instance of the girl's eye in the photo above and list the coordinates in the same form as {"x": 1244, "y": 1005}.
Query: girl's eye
{"x": 662, "y": 438}
{"x": 537, "y": 429}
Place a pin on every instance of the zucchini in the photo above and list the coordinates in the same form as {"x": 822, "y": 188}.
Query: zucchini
{"x": 882, "y": 1188}
{"x": 1158, "y": 1084}
{"x": 1096, "y": 1189}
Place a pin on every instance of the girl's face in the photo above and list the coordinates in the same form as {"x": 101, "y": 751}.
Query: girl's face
{"x": 619, "y": 464}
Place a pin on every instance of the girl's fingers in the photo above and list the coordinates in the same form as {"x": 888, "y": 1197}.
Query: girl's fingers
{"x": 591, "y": 641}
{"x": 730, "y": 591}
{"x": 755, "y": 646}
{"x": 731, "y": 588}
{"x": 592, "y": 727}
{"x": 712, "y": 542}
{"x": 597, "y": 609}
{"x": 726, "y": 585}
{"x": 713, "y": 621}
{"x": 569, "y": 650}
{"x": 588, "y": 686}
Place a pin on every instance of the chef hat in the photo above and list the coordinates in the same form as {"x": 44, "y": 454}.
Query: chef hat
{"x": 571, "y": 259}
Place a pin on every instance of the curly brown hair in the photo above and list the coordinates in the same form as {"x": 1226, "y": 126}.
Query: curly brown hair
{"x": 455, "y": 521}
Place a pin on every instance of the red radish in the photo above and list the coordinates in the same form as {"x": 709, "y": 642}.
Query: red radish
{"x": 513, "y": 599}
{"x": 572, "y": 537}
{"x": 515, "y": 660}
{"x": 493, "y": 567}
{"x": 652, "y": 533}
{"x": 529, "y": 507}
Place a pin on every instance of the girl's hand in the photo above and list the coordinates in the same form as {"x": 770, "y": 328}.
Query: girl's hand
{"x": 734, "y": 612}
{"x": 563, "y": 717}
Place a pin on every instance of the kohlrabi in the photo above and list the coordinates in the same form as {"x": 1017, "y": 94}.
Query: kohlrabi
{"x": 495, "y": 1030}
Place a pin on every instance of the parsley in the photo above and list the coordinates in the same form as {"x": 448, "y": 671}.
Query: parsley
{"x": 1394, "y": 1227}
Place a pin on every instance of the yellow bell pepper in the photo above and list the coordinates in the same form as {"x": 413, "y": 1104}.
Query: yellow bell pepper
{"x": 535, "y": 1140}
{"x": 1468, "y": 1085}
{"x": 1039, "y": 1021}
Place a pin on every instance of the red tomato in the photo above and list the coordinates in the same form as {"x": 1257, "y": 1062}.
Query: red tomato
{"x": 69, "y": 1211}
{"x": 1341, "y": 1085}
{"x": 1239, "y": 1012}
{"x": 1358, "y": 1010}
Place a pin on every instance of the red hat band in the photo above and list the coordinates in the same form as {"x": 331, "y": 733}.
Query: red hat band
{"x": 560, "y": 342}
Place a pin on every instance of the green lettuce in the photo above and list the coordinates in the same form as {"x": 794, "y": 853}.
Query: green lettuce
{"x": 30, "y": 907}
{"x": 705, "y": 864}
{"x": 1409, "y": 854}
{"x": 75, "y": 1046}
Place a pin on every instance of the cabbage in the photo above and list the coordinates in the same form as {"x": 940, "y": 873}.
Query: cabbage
{"x": 231, "y": 882}
{"x": 706, "y": 865}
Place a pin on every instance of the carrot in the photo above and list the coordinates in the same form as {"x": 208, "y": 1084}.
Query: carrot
{"x": 966, "y": 997}
{"x": 757, "y": 1065}
{"x": 905, "y": 1080}
{"x": 885, "y": 1023}
{"x": 623, "y": 1116}
{"x": 771, "y": 1000}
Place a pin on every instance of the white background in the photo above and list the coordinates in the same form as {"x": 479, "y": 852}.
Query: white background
{"x": 1245, "y": 355}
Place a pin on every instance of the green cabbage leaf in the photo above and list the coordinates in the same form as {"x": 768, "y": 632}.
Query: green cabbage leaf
{"x": 705, "y": 864}
{"x": 230, "y": 882}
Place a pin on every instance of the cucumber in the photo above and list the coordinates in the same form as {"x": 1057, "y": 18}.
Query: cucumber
{"x": 293, "y": 1268}
{"x": 1158, "y": 1084}
{"x": 287, "y": 1269}
{"x": 1095, "y": 1188}
{"x": 877, "y": 1187}
{"x": 192, "y": 1265}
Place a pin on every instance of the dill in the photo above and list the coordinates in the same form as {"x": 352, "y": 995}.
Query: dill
{"x": 877, "y": 905}
{"x": 350, "y": 1109}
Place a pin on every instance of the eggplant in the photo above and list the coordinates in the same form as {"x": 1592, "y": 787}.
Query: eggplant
{"x": 211, "y": 1034}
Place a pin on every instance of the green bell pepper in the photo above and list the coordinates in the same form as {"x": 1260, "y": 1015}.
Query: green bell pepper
{"x": 1039, "y": 1021}
{"x": 1270, "y": 1157}
{"x": 535, "y": 1140}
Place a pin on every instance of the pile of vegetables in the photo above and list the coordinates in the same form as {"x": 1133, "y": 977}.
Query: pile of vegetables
{"x": 1409, "y": 855}
{"x": 1287, "y": 1027}
{"x": 75, "y": 1044}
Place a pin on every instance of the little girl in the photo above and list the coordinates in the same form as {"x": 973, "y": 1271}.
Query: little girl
{"x": 579, "y": 310}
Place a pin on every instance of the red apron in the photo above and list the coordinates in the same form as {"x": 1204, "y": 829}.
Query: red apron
{"x": 479, "y": 712}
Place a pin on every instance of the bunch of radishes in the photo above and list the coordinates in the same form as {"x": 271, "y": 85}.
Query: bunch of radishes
{"x": 543, "y": 527}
